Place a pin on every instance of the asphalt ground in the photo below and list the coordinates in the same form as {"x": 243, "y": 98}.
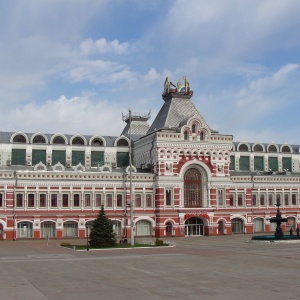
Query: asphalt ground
{"x": 217, "y": 267}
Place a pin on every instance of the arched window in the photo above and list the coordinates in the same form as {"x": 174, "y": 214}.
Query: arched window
{"x": 59, "y": 140}
{"x": 286, "y": 149}
{"x": 192, "y": 188}
{"x": 122, "y": 143}
{"x": 186, "y": 135}
{"x": 97, "y": 143}
{"x": 194, "y": 128}
{"x": 243, "y": 148}
{"x": 19, "y": 139}
{"x": 272, "y": 148}
{"x": 78, "y": 141}
{"x": 258, "y": 148}
{"x": 39, "y": 139}
{"x": 201, "y": 136}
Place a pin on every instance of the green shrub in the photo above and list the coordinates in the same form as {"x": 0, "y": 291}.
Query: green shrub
{"x": 159, "y": 242}
{"x": 65, "y": 244}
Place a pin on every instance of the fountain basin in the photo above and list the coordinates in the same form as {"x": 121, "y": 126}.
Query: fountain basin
{"x": 273, "y": 238}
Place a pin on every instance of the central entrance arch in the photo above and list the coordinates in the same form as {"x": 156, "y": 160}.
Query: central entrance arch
{"x": 194, "y": 227}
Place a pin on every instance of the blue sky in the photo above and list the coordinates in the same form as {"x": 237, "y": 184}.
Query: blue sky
{"x": 74, "y": 66}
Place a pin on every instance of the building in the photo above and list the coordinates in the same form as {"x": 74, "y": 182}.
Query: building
{"x": 186, "y": 179}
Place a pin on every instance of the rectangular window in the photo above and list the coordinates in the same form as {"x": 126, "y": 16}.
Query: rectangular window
{"x": 148, "y": 200}
{"x": 19, "y": 200}
{"x": 38, "y": 156}
{"x": 76, "y": 200}
{"x": 232, "y": 163}
{"x": 286, "y": 199}
{"x": 109, "y": 200}
{"x": 65, "y": 200}
{"x": 258, "y": 163}
{"x": 168, "y": 197}
{"x": 271, "y": 201}
{"x": 97, "y": 158}
{"x": 87, "y": 200}
{"x": 98, "y": 200}
{"x": 273, "y": 163}
{"x": 58, "y": 156}
{"x": 262, "y": 200}
{"x": 221, "y": 197}
{"x": 231, "y": 200}
{"x": 119, "y": 200}
{"x": 18, "y": 157}
{"x": 254, "y": 200}
{"x": 287, "y": 163}
{"x": 244, "y": 163}
{"x": 294, "y": 199}
{"x": 30, "y": 200}
{"x": 53, "y": 200}
{"x": 77, "y": 158}
{"x": 278, "y": 198}
{"x": 1, "y": 200}
{"x": 240, "y": 200}
{"x": 42, "y": 200}
{"x": 138, "y": 200}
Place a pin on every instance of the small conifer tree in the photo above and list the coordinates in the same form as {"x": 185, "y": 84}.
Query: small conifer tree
{"x": 102, "y": 234}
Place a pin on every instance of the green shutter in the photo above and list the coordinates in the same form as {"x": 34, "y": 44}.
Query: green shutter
{"x": 97, "y": 158}
{"x": 258, "y": 163}
{"x": 244, "y": 163}
{"x": 273, "y": 163}
{"x": 232, "y": 163}
{"x": 38, "y": 156}
{"x": 122, "y": 159}
{"x": 287, "y": 163}
{"x": 58, "y": 156}
{"x": 78, "y": 157}
{"x": 18, "y": 157}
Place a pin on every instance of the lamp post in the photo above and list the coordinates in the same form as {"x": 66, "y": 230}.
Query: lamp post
{"x": 87, "y": 226}
{"x": 14, "y": 205}
{"x": 130, "y": 174}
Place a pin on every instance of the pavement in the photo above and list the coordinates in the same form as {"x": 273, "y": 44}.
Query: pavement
{"x": 216, "y": 267}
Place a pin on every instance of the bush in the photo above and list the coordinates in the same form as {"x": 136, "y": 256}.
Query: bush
{"x": 65, "y": 244}
{"x": 159, "y": 242}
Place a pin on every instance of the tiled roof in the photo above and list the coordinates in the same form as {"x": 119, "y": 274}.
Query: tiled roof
{"x": 176, "y": 109}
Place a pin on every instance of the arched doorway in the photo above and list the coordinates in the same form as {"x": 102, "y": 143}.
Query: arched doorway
{"x": 258, "y": 225}
{"x": 24, "y": 230}
{"x": 194, "y": 227}
{"x": 169, "y": 229}
{"x": 48, "y": 230}
{"x": 70, "y": 229}
{"x": 221, "y": 228}
{"x": 237, "y": 225}
{"x": 143, "y": 228}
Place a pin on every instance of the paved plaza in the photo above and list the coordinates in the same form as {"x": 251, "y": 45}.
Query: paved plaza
{"x": 218, "y": 267}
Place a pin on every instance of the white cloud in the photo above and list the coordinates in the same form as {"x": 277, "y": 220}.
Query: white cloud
{"x": 75, "y": 115}
{"x": 102, "y": 46}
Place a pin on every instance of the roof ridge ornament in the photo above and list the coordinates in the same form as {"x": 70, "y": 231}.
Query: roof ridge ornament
{"x": 182, "y": 88}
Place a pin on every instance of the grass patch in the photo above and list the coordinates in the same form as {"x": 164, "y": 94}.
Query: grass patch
{"x": 118, "y": 246}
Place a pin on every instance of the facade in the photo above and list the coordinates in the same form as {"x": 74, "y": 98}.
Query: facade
{"x": 186, "y": 178}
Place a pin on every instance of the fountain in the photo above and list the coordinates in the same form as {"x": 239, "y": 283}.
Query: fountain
{"x": 278, "y": 235}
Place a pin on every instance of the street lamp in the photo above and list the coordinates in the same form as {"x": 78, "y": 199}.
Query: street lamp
{"x": 87, "y": 226}
{"x": 14, "y": 205}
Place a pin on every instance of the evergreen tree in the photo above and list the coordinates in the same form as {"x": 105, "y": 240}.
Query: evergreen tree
{"x": 102, "y": 234}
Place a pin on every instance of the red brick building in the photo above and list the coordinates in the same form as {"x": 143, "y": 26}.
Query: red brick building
{"x": 187, "y": 179}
